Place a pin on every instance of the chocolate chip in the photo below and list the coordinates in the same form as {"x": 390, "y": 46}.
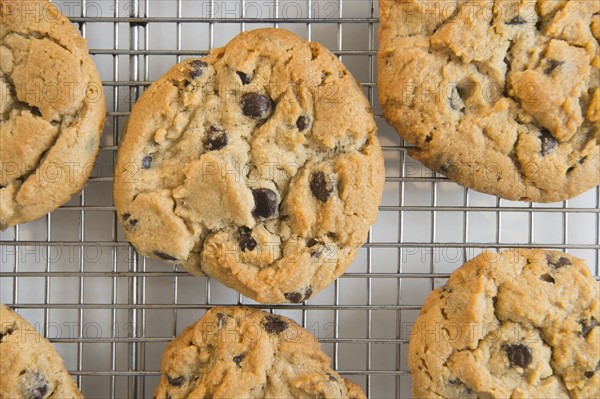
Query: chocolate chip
{"x": 331, "y": 377}
{"x": 293, "y": 297}
{"x": 297, "y": 297}
{"x": 547, "y": 278}
{"x": 256, "y": 105}
{"x": 518, "y": 20}
{"x": 302, "y": 123}
{"x": 175, "y": 381}
{"x": 197, "y": 68}
{"x": 147, "y": 162}
{"x": 215, "y": 139}
{"x": 238, "y": 359}
{"x": 549, "y": 143}
{"x": 133, "y": 222}
{"x": 126, "y": 216}
{"x": 221, "y": 317}
{"x": 318, "y": 187}
{"x": 274, "y": 325}
{"x": 519, "y": 355}
{"x": 265, "y": 203}
{"x": 164, "y": 256}
{"x": 33, "y": 384}
{"x": 561, "y": 262}
{"x": 308, "y": 293}
{"x": 311, "y": 242}
{"x": 244, "y": 231}
{"x": 552, "y": 65}
{"x": 244, "y": 78}
{"x": 586, "y": 328}
{"x": 247, "y": 244}
{"x": 9, "y": 330}
{"x": 589, "y": 374}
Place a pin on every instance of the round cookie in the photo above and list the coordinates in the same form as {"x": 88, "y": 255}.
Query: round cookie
{"x": 516, "y": 324}
{"x": 52, "y": 109}
{"x": 30, "y": 366}
{"x": 500, "y": 96}
{"x": 237, "y": 352}
{"x": 258, "y": 165}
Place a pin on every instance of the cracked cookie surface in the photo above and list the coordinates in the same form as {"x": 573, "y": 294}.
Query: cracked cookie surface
{"x": 52, "y": 110}
{"x": 258, "y": 165}
{"x": 30, "y": 366}
{"x": 501, "y": 96}
{"x": 237, "y": 352}
{"x": 515, "y": 324}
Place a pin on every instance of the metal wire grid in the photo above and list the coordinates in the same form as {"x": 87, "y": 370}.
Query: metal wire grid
{"x": 110, "y": 312}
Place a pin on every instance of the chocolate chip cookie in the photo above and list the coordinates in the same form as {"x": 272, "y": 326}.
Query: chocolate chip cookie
{"x": 258, "y": 165}
{"x": 52, "y": 109}
{"x": 237, "y": 352}
{"x": 30, "y": 367}
{"x": 501, "y": 96}
{"x": 516, "y": 324}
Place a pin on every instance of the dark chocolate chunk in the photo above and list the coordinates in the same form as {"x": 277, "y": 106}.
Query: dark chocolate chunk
{"x": 215, "y": 139}
{"x": 308, "y": 293}
{"x": 147, "y": 162}
{"x": 549, "y": 143}
{"x": 133, "y": 222}
{"x": 126, "y": 216}
{"x": 238, "y": 359}
{"x": 247, "y": 243}
{"x": 519, "y": 355}
{"x": 256, "y": 105}
{"x": 9, "y": 330}
{"x": 265, "y": 203}
{"x": 311, "y": 243}
{"x": 175, "y": 381}
{"x": 197, "y": 68}
{"x": 33, "y": 384}
{"x": 319, "y": 188}
{"x": 221, "y": 317}
{"x": 302, "y": 123}
{"x": 293, "y": 297}
{"x": 561, "y": 262}
{"x": 589, "y": 374}
{"x": 164, "y": 256}
{"x": 586, "y": 328}
{"x": 547, "y": 278}
{"x": 244, "y": 231}
{"x": 552, "y": 65}
{"x": 244, "y": 78}
{"x": 518, "y": 20}
{"x": 274, "y": 324}
{"x": 297, "y": 297}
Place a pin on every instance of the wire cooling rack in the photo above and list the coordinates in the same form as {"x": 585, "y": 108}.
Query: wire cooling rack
{"x": 110, "y": 312}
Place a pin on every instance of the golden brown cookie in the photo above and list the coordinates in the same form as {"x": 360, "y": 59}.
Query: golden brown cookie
{"x": 516, "y": 324}
{"x": 30, "y": 367}
{"x": 52, "y": 110}
{"x": 258, "y": 165}
{"x": 501, "y": 96}
{"x": 237, "y": 352}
